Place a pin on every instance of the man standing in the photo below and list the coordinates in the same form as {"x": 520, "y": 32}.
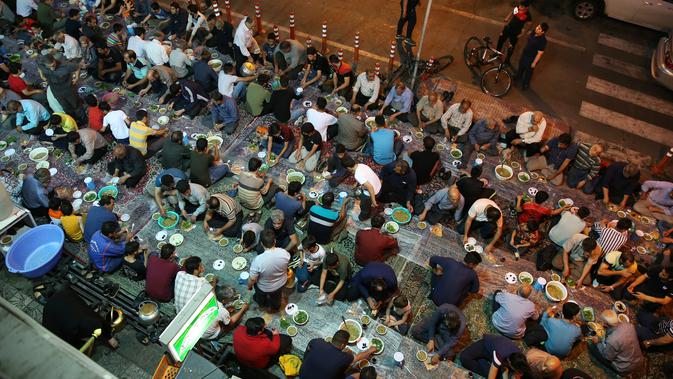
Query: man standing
{"x": 370, "y": 183}
{"x": 408, "y": 16}
{"x": 268, "y": 273}
{"x": 514, "y": 27}
{"x": 531, "y": 54}
{"x": 322, "y": 120}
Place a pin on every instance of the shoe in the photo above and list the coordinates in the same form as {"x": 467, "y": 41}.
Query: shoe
{"x": 410, "y": 42}
{"x": 399, "y": 37}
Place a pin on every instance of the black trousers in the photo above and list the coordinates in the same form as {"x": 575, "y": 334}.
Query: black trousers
{"x": 510, "y": 35}
{"x": 97, "y": 153}
{"x": 130, "y": 182}
{"x": 191, "y": 109}
{"x": 219, "y": 221}
{"x": 525, "y": 71}
{"x": 331, "y": 281}
{"x": 410, "y": 20}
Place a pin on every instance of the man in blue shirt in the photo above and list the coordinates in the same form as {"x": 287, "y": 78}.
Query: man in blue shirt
{"x": 35, "y": 192}
{"x": 224, "y": 113}
{"x": 107, "y": 247}
{"x": 383, "y": 145}
{"x": 98, "y": 215}
{"x": 398, "y": 102}
{"x": 292, "y": 203}
{"x": 555, "y": 158}
{"x": 31, "y": 116}
{"x": 452, "y": 280}
{"x": 376, "y": 282}
{"x": 562, "y": 333}
{"x": 398, "y": 184}
{"x": 204, "y": 74}
{"x": 482, "y": 137}
{"x": 163, "y": 189}
{"x": 496, "y": 354}
{"x": 441, "y": 331}
{"x": 324, "y": 223}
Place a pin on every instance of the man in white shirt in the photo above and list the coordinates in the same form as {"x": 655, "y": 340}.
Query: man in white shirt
{"x": 530, "y": 127}
{"x": 268, "y": 273}
{"x": 197, "y": 24}
{"x": 137, "y": 42}
{"x": 70, "y": 46}
{"x": 223, "y": 321}
{"x": 179, "y": 61}
{"x": 117, "y": 121}
{"x": 155, "y": 51}
{"x": 25, "y": 8}
{"x": 370, "y": 183}
{"x": 456, "y": 121}
{"x": 366, "y": 90}
{"x": 484, "y": 215}
{"x": 230, "y": 85}
{"x": 323, "y": 122}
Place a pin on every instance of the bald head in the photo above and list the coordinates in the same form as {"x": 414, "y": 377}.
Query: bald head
{"x": 537, "y": 117}
{"x": 119, "y": 151}
{"x": 552, "y": 364}
{"x": 525, "y": 290}
{"x": 610, "y": 317}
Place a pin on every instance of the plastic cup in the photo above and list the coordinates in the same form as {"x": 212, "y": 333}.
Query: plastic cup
{"x": 243, "y": 278}
{"x": 89, "y": 183}
{"x": 539, "y": 284}
{"x": 399, "y": 359}
{"x": 478, "y": 162}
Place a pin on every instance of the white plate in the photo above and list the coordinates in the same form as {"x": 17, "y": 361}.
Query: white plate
{"x": 472, "y": 241}
{"x": 363, "y": 343}
{"x": 532, "y": 191}
{"x": 511, "y": 278}
{"x": 261, "y": 155}
{"x": 218, "y": 264}
{"x": 77, "y": 194}
{"x": 388, "y": 211}
{"x": 53, "y": 171}
{"x": 307, "y": 103}
{"x": 9, "y": 152}
{"x": 407, "y": 139}
{"x": 343, "y": 194}
{"x": 125, "y": 217}
{"x": 478, "y": 249}
{"x": 313, "y": 195}
{"x": 161, "y": 235}
{"x": 81, "y": 89}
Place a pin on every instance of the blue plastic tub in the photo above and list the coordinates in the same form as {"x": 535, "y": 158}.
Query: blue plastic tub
{"x": 36, "y": 252}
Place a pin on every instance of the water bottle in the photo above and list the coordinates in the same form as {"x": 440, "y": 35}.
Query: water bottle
{"x": 185, "y": 140}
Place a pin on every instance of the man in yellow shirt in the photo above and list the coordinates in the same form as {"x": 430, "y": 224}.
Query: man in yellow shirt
{"x": 60, "y": 124}
{"x": 140, "y": 133}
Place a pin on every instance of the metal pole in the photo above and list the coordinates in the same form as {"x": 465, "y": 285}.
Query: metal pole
{"x": 420, "y": 43}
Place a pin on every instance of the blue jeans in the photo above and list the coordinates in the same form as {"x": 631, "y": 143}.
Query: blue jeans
{"x": 218, "y": 172}
{"x": 303, "y": 278}
{"x": 239, "y": 91}
{"x": 296, "y": 113}
{"x": 575, "y": 176}
{"x": 276, "y": 148}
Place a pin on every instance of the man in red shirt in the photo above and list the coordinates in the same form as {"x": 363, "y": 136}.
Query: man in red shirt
{"x": 161, "y": 272}
{"x": 18, "y": 85}
{"x": 534, "y": 210}
{"x": 95, "y": 114}
{"x": 257, "y": 347}
{"x": 373, "y": 246}
{"x": 342, "y": 76}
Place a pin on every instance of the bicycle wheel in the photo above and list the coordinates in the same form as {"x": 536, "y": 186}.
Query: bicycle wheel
{"x": 440, "y": 64}
{"x": 471, "y": 44}
{"x": 496, "y": 81}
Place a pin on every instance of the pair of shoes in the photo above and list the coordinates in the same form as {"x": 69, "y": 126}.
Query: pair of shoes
{"x": 399, "y": 37}
{"x": 409, "y": 41}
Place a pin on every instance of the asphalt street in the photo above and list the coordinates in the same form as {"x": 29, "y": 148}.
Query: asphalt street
{"x": 594, "y": 75}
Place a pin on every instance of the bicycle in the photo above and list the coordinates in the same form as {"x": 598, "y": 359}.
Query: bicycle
{"x": 425, "y": 69}
{"x": 495, "y": 81}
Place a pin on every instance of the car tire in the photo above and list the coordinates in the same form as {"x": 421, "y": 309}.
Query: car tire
{"x": 586, "y": 9}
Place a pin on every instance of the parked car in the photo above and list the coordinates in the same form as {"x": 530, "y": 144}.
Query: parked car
{"x": 662, "y": 62}
{"x": 653, "y": 14}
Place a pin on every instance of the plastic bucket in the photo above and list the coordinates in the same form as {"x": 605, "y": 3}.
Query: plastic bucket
{"x": 36, "y": 252}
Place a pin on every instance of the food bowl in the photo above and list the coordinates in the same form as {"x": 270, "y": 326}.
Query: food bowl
{"x": 237, "y": 248}
{"x": 391, "y": 227}
{"x": 6, "y": 239}
{"x": 525, "y": 277}
{"x": 90, "y": 196}
{"x": 370, "y": 122}
{"x": 620, "y": 307}
{"x": 456, "y": 154}
{"x": 223, "y": 241}
{"x": 248, "y": 69}
{"x": 39, "y": 154}
{"x": 353, "y": 328}
{"x": 300, "y": 317}
{"x": 523, "y": 177}
{"x": 170, "y": 221}
{"x": 295, "y": 176}
{"x": 163, "y": 120}
{"x": 623, "y": 318}
{"x": 378, "y": 344}
{"x": 421, "y": 355}
{"x": 239, "y": 263}
{"x": 381, "y": 330}
{"x": 215, "y": 64}
{"x": 556, "y": 291}
{"x": 176, "y": 239}
{"x": 422, "y": 225}
{"x": 292, "y": 330}
{"x": 108, "y": 191}
{"x": 503, "y": 172}
{"x": 341, "y": 110}
{"x": 365, "y": 320}
{"x": 401, "y": 215}
{"x": 210, "y": 277}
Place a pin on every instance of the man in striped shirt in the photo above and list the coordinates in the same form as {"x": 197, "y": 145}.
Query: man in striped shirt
{"x": 224, "y": 216}
{"x": 585, "y": 166}
{"x": 612, "y": 236}
{"x": 140, "y": 133}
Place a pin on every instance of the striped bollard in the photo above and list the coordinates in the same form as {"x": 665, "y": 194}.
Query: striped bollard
{"x": 216, "y": 9}
{"x": 292, "y": 25}
{"x": 658, "y": 168}
{"x": 227, "y": 7}
{"x": 377, "y": 68}
{"x": 309, "y": 42}
{"x": 324, "y": 37}
{"x": 276, "y": 32}
{"x": 391, "y": 59}
{"x": 258, "y": 18}
{"x": 431, "y": 62}
{"x": 356, "y": 48}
